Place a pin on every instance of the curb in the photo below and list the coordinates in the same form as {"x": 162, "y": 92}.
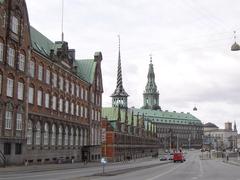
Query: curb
{"x": 41, "y": 168}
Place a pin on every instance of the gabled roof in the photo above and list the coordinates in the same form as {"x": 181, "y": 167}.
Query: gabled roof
{"x": 86, "y": 69}
{"x": 40, "y": 43}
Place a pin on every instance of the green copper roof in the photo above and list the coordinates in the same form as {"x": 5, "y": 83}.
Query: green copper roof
{"x": 40, "y": 43}
{"x": 86, "y": 69}
{"x": 112, "y": 114}
{"x": 168, "y": 117}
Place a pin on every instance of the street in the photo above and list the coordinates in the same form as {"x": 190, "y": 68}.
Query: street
{"x": 193, "y": 168}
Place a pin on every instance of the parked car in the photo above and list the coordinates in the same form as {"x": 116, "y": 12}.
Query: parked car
{"x": 170, "y": 157}
{"x": 163, "y": 158}
{"x": 178, "y": 157}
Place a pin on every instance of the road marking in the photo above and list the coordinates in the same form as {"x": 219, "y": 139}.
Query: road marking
{"x": 164, "y": 173}
{"x": 201, "y": 168}
{"x": 194, "y": 177}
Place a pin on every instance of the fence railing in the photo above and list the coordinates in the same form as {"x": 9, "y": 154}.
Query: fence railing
{"x": 3, "y": 159}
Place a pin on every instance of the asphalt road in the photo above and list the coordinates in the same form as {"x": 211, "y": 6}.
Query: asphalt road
{"x": 193, "y": 168}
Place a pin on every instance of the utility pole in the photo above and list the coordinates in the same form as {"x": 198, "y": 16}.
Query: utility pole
{"x": 177, "y": 143}
{"x": 189, "y": 141}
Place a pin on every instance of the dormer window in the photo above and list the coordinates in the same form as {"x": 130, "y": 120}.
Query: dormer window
{"x": 14, "y": 24}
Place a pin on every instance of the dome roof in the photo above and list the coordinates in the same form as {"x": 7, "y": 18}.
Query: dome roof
{"x": 235, "y": 47}
{"x": 210, "y": 125}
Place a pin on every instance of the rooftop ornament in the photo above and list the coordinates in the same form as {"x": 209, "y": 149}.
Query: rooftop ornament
{"x": 195, "y": 108}
{"x": 235, "y": 46}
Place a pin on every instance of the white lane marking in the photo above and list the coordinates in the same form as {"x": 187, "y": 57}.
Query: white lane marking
{"x": 164, "y": 173}
{"x": 194, "y": 177}
{"x": 201, "y": 168}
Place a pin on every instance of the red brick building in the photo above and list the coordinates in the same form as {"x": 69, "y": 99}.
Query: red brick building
{"x": 126, "y": 136}
{"x": 50, "y": 102}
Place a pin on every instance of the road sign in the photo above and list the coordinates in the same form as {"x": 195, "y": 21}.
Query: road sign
{"x": 103, "y": 161}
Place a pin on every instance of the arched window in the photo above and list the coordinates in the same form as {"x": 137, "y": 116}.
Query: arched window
{"x": 46, "y": 134}
{"x": 10, "y": 86}
{"x": 40, "y": 72}
{"x": 77, "y": 137}
{"x": 47, "y": 99}
{"x": 66, "y": 106}
{"x": 72, "y": 108}
{"x": 92, "y": 136}
{"x": 9, "y": 116}
{"x": 31, "y": 94}
{"x": 85, "y": 137}
{"x": 38, "y": 134}
{"x": 60, "y": 130}
{"x": 21, "y": 61}
{"x": 11, "y": 56}
{"x": 19, "y": 118}
{"x": 66, "y": 136}
{"x": 54, "y": 102}
{"x": 39, "y": 97}
{"x": 95, "y": 135}
{"x": 1, "y": 80}
{"x": 81, "y": 137}
{"x": 53, "y": 140}
{"x": 1, "y": 51}
{"x": 29, "y": 132}
{"x": 20, "y": 90}
{"x": 77, "y": 110}
{"x": 32, "y": 68}
{"x": 47, "y": 78}
{"x": 60, "y": 106}
{"x": 71, "y": 137}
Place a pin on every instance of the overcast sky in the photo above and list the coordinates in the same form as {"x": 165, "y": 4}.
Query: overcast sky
{"x": 189, "y": 40}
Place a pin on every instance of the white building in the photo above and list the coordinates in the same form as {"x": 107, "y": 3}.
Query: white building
{"x": 221, "y": 138}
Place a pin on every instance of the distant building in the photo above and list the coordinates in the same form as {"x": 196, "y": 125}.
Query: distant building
{"x": 238, "y": 141}
{"x": 220, "y": 138}
{"x": 50, "y": 102}
{"x": 124, "y": 135}
{"x": 174, "y": 129}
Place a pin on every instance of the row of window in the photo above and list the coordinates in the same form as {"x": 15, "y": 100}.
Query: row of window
{"x": 66, "y": 137}
{"x": 63, "y": 105}
{"x": 62, "y": 84}
{"x": 9, "y": 120}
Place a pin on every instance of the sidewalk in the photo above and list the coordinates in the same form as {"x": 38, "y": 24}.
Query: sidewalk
{"x": 232, "y": 161}
{"x": 47, "y": 167}
{"x": 63, "y": 166}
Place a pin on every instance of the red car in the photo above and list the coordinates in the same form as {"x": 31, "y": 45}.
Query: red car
{"x": 178, "y": 157}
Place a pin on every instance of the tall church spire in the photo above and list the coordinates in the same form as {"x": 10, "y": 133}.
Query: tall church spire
{"x": 235, "y": 126}
{"x": 119, "y": 96}
{"x": 151, "y": 94}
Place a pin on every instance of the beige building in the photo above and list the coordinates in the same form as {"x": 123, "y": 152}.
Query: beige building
{"x": 220, "y": 138}
{"x": 238, "y": 141}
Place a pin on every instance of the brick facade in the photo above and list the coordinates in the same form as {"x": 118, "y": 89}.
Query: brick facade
{"x": 60, "y": 111}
